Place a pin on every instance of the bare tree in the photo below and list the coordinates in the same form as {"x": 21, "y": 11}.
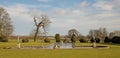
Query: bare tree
{"x": 115, "y": 33}
{"x": 6, "y": 28}
{"x": 41, "y": 22}
{"x": 101, "y": 33}
{"x": 92, "y": 34}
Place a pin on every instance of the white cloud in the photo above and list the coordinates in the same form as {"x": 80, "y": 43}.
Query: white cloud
{"x": 76, "y": 11}
{"x": 18, "y": 11}
{"x": 71, "y": 12}
{"x": 104, "y": 15}
{"x": 84, "y": 4}
{"x": 62, "y": 11}
{"x": 104, "y": 5}
{"x": 71, "y": 21}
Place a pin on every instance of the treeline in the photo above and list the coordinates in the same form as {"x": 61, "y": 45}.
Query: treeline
{"x": 100, "y": 35}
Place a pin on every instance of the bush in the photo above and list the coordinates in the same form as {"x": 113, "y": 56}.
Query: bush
{"x": 83, "y": 40}
{"x": 115, "y": 39}
{"x": 57, "y": 37}
{"x": 107, "y": 40}
{"x": 25, "y": 40}
{"x": 92, "y": 40}
{"x": 46, "y": 40}
{"x": 97, "y": 40}
{"x": 3, "y": 39}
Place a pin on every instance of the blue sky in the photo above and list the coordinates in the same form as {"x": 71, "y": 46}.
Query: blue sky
{"x": 82, "y": 15}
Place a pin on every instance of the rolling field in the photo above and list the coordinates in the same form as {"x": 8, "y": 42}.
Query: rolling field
{"x": 112, "y": 52}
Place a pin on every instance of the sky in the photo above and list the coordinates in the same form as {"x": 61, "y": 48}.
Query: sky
{"x": 82, "y": 15}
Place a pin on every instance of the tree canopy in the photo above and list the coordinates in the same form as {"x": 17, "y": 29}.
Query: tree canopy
{"x": 6, "y": 27}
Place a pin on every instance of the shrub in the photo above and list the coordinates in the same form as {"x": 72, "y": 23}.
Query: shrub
{"x": 57, "y": 37}
{"x": 92, "y": 40}
{"x": 107, "y": 40}
{"x": 3, "y": 39}
{"x": 25, "y": 40}
{"x": 115, "y": 39}
{"x": 97, "y": 40}
{"x": 46, "y": 40}
{"x": 83, "y": 40}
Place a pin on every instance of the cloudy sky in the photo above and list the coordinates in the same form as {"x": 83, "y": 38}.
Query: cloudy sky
{"x": 82, "y": 15}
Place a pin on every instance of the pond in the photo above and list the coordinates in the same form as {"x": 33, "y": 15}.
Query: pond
{"x": 60, "y": 45}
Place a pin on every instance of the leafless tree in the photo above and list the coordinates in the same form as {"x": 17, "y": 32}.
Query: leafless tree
{"x": 6, "y": 28}
{"x": 111, "y": 34}
{"x": 115, "y": 33}
{"x": 41, "y": 22}
{"x": 104, "y": 33}
{"x": 101, "y": 33}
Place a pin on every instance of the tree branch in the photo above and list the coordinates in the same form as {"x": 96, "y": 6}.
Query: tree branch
{"x": 35, "y": 21}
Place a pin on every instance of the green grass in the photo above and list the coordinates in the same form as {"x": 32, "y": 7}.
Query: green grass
{"x": 112, "y": 52}
{"x": 13, "y": 43}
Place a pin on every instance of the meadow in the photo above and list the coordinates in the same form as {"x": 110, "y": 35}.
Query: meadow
{"x": 112, "y": 52}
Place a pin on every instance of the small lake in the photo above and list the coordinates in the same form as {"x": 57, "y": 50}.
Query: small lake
{"x": 60, "y": 45}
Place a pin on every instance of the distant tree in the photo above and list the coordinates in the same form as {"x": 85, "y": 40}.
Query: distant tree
{"x": 3, "y": 39}
{"x": 73, "y": 38}
{"x": 46, "y": 40}
{"x": 100, "y": 33}
{"x": 92, "y": 40}
{"x": 57, "y": 37}
{"x": 83, "y": 40}
{"x": 92, "y": 34}
{"x": 81, "y": 37}
{"x": 25, "y": 40}
{"x": 65, "y": 40}
{"x": 107, "y": 40}
{"x": 104, "y": 33}
{"x": 6, "y": 27}
{"x": 73, "y": 31}
{"x": 97, "y": 40}
{"x": 115, "y": 33}
{"x": 111, "y": 35}
{"x": 88, "y": 37}
{"x": 116, "y": 39}
{"x": 42, "y": 21}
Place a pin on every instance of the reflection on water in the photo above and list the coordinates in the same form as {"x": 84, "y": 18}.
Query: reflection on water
{"x": 60, "y": 45}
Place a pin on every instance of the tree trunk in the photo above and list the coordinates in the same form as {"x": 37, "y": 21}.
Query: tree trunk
{"x": 36, "y": 33}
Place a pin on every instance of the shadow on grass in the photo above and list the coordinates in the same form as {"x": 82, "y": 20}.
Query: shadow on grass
{"x": 111, "y": 44}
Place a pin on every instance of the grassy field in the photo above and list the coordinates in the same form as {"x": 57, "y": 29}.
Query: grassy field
{"x": 112, "y": 52}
